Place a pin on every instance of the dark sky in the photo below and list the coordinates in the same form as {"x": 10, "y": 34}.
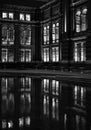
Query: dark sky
{"x": 31, "y": 3}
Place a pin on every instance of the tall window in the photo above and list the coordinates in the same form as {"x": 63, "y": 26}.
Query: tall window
{"x": 55, "y": 54}
{"x": 81, "y": 20}
{"x": 79, "y": 52}
{"x": 8, "y": 34}
{"x": 46, "y": 54}
{"x": 25, "y": 55}
{"x": 55, "y": 32}
{"x": 7, "y": 55}
{"x": 84, "y": 19}
{"x": 78, "y": 21}
{"x": 46, "y": 34}
{"x": 25, "y": 35}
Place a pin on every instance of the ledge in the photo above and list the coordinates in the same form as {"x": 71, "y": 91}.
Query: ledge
{"x": 71, "y": 76}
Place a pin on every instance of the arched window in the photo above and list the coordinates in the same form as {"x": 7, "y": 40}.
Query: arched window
{"x": 83, "y": 19}
{"x": 78, "y": 21}
{"x": 8, "y": 34}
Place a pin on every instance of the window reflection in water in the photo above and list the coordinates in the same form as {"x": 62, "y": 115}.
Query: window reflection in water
{"x": 79, "y": 95}
{"x": 76, "y": 122}
{"x": 25, "y": 83}
{"x": 7, "y": 124}
{"x": 24, "y": 121}
{"x": 46, "y": 85}
{"x": 55, "y": 87}
{"x": 7, "y": 102}
{"x": 50, "y": 90}
{"x": 10, "y": 124}
{"x": 4, "y": 124}
{"x": 46, "y": 105}
{"x": 80, "y": 122}
{"x": 25, "y": 103}
{"x": 55, "y": 108}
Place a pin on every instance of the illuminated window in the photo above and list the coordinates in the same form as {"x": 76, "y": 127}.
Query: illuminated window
{"x": 25, "y": 55}
{"x": 8, "y": 15}
{"x": 84, "y": 19}
{"x": 46, "y": 85}
{"x": 46, "y": 34}
{"x": 8, "y": 34}
{"x": 7, "y": 55}
{"x": 25, "y": 17}
{"x": 78, "y": 21}
{"x": 11, "y": 15}
{"x": 4, "y": 55}
{"x": 79, "y": 52}
{"x": 22, "y": 17}
{"x": 55, "y": 54}
{"x": 28, "y": 55}
{"x": 4, "y": 15}
{"x": 10, "y": 56}
{"x": 46, "y": 54}
{"x": 55, "y": 87}
{"x": 79, "y": 95}
{"x": 55, "y": 32}
{"x": 28, "y": 17}
{"x": 55, "y": 108}
{"x": 25, "y": 35}
{"x": 81, "y": 20}
{"x": 46, "y": 105}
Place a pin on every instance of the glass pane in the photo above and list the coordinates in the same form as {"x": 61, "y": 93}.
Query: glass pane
{"x": 4, "y": 15}
{"x": 25, "y": 37}
{"x": 11, "y": 56}
{"x": 11, "y": 15}
{"x": 4, "y": 55}
{"x": 22, "y": 56}
{"x": 28, "y": 55}
{"x": 27, "y": 17}
{"x": 22, "y": 17}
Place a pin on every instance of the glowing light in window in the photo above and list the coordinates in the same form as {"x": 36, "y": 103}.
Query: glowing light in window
{"x": 80, "y": 52}
{"x": 22, "y": 17}
{"x": 46, "y": 54}
{"x": 27, "y": 17}
{"x": 11, "y": 15}
{"x": 4, "y": 15}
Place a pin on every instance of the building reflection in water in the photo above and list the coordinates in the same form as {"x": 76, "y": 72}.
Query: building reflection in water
{"x": 44, "y": 103}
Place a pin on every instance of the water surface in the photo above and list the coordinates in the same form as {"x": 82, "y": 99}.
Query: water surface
{"x": 44, "y": 103}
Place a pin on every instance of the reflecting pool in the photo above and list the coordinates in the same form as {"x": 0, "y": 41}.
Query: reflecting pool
{"x": 44, "y": 103}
